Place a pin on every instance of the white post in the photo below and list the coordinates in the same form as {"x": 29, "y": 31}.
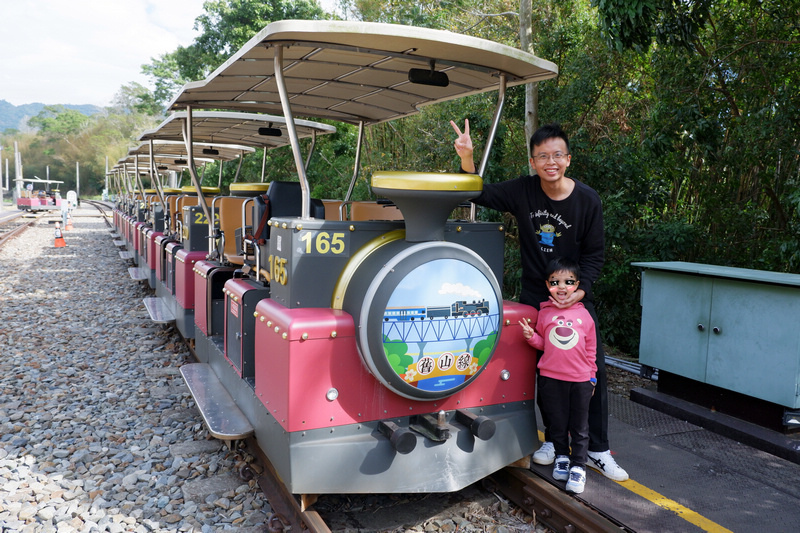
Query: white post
{"x": 78, "y": 180}
{"x": 17, "y": 170}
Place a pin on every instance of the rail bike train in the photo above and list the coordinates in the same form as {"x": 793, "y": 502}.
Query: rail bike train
{"x": 290, "y": 301}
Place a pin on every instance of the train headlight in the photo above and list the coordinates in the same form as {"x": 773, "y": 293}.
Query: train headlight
{"x": 332, "y": 394}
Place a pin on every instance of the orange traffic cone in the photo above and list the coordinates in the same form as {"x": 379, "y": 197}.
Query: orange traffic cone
{"x": 69, "y": 222}
{"x": 60, "y": 242}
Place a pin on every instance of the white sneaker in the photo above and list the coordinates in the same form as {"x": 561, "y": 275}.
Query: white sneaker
{"x": 577, "y": 480}
{"x": 604, "y": 463}
{"x": 561, "y": 470}
{"x": 545, "y": 455}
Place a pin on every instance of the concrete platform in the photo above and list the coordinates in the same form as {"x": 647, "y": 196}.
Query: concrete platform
{"x": 785, "y": 446}
{"x": 684, "y": 478}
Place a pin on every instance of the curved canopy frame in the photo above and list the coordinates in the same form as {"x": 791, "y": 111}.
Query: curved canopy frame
{"x": 359, "y": 73}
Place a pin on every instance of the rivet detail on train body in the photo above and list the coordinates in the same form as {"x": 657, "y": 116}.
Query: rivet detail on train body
{"x": 262, "y": 318}
{"x": 255, "y": 314}
{"x": 508, "y": 322}
{"x": 501, "y": 228}
{"x": 352, "y": 227}
{"x": 269, "y": 323}
{"x": 277, "y": 329}
{"x": 284, "y": 335}
{"x": 304, "y": 336}
{"x": 284, "y": 225}
{"x": 235, "y": 298}
{"x": 299, "y": 227}
{"x": 333, "y": 334}
{"x": 459, "y": 229}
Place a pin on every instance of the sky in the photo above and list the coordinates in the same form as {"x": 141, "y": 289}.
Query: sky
{"x": 84, "y": 51}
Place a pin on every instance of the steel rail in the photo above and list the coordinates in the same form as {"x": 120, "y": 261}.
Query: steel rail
{"x": 5, "y": 237}
{"x": 550, "y": 505}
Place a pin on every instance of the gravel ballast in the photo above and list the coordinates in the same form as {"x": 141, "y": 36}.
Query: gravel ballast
{"x": 97, "y": 430}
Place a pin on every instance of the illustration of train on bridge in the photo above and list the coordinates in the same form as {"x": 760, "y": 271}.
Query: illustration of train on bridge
{"x": 459, "y": 308}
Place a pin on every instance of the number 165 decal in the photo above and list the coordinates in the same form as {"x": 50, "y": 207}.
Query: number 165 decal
{"x": 324, "y": 242}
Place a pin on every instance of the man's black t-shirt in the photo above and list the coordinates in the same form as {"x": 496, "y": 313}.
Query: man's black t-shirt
{"x": 571, "y": 228}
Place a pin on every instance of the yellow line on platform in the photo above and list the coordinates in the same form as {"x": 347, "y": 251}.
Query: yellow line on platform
{"x": 670, "y": 505}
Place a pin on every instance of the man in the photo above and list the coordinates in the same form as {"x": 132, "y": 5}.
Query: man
{"x": 557, "y": 217}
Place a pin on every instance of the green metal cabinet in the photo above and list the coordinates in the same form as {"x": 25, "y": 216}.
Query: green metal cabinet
{"x": 733, "y": 328}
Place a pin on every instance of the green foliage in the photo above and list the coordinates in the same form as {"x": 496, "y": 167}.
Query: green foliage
{"x": 58, "y": 121}
{"x": 633, "y": 24}
{"x": 692, "y": 143}
{"x": 628, "y": 23}
{"x": 396, "y": 355}
{"x": 225, "y": 26}
{"x": 483, "y": 348}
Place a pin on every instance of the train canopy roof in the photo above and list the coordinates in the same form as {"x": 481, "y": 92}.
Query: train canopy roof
{"x": 37, "y": 179}
{"x": 359, "y": 71}
{"x": 177, "y": 150}
{"x": 249, "y": 129}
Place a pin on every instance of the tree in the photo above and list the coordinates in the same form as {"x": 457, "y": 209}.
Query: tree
{"x": 60, "y": 122}
{"x": 135, "y": 98}
{"x": 225, "y": 26}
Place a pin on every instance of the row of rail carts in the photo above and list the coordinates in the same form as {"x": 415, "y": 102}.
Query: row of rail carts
{"x": 292, "y": 302}
{"x": 34, "y": 194}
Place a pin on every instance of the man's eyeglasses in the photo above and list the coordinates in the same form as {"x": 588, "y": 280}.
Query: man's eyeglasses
{"x": 558, "y": 156}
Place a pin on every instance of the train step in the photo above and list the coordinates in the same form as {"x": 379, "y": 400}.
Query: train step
{"x": 126, "y": 255}
{"x": 119, "y": 243}
{"x": 225, "y": 421}
{"x": 159, "y": 312}
{"x": 115, "y": 236}
{"x": 139, "y": 274}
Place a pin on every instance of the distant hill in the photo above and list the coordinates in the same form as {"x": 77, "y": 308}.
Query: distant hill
{"x": 16, "y": 116}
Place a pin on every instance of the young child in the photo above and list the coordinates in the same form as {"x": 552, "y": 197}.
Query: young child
{"x": 566, "y": 371}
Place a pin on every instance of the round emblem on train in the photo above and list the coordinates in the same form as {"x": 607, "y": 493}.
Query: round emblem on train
{"x": 430, "y": 318}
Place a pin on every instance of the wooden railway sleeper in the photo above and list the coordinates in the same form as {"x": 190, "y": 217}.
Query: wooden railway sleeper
{"x": 288, "y": 512}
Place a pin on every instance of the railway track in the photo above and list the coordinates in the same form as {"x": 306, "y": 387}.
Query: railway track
{"x": 104, "y": 209}
{"x": 533, "y": 494}
{"x": 13, "y": 225}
